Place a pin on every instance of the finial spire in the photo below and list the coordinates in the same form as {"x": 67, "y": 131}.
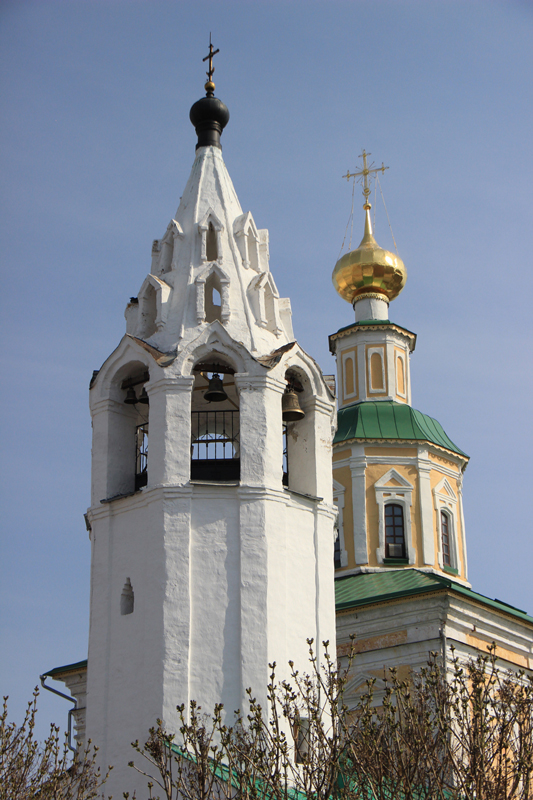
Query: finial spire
{"x": 363, "y": 175}
{"x": 210, "y": 86}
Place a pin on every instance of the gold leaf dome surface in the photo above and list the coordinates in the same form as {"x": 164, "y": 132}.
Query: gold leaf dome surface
{"x": 369, "y": 270}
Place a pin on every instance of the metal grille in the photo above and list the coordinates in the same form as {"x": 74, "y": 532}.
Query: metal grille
{"x": 215, "y": 445}
{"x": 141, "y": 455}
{"x": 445, "y": 529}
{"x": 394, "y": 531}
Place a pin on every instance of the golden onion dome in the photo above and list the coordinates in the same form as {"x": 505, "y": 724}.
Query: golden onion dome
{"x": 369, "y": 269}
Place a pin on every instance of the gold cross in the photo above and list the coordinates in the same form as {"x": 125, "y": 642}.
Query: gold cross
{"x": 209, "y": 56}
{"x": 365, "y": 172}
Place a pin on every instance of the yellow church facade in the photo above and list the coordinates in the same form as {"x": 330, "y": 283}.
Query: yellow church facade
{"x": 402, "y": 586}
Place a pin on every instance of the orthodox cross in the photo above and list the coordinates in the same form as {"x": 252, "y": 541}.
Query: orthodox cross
{"x": 209, "y": 56}
{"x": 365, "y": 172}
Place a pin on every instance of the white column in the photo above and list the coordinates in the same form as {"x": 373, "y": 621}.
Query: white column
{"x": 426, "y": 507}
{"x": 358, "y": 464}
{"x": 169, "y": 439}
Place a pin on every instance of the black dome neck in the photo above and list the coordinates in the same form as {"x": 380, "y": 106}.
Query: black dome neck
{"x": 209, "y": 117}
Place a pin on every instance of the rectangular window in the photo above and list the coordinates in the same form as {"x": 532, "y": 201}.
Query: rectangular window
{"x": 445, "y": 534}
{"x": 394, "y": 531}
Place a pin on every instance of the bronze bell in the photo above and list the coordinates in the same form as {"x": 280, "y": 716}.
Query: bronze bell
{"x": 143, "y": 397}
{"x": 131, "y": 397}
{"x": 215, "y": 391}
{"x": 290, "y": 406}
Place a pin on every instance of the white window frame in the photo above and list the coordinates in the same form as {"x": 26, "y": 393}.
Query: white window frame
{"x": 203, "y": 227}
{"x": 445, "y": 499}
{"x": 400, "y": 357}
{"x": 400, "y": 495}
{"x": 345, "y": 356}
{"x": 370, "y": 352}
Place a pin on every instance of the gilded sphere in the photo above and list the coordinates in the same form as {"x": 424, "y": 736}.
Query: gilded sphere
{"x": 369, "y": 269}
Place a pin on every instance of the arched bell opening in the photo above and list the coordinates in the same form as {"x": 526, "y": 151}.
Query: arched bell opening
{"x": 136, "y": 399}
{"x": 215, "y": 423}
{"x": 126, "y": 430}
{"x": 291, "y": 414}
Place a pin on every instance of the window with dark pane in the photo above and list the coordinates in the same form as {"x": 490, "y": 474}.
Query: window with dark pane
{"x": 445, "y": 535}
{"x": 394, "y": 531}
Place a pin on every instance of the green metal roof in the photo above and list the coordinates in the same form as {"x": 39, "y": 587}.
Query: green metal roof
{"x": 386, "y": 419}
{"x": 372, "y": 587}
{"x": 79, "y": 665}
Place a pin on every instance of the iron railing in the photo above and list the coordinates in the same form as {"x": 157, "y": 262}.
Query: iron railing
{"x": 215, "y": 446}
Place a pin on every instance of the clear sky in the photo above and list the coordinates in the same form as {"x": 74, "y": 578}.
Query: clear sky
{"x": 96, "y": 150}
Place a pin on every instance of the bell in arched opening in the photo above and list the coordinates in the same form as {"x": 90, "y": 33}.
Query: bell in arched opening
{"x": 290, "y": 406}
{"x": 143, "y": 397}
{"x": 131, "y": 397}
{"x": 215, "y": 391}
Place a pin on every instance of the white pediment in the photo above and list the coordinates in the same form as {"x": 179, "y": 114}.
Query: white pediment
{"x": 392, "y": 480}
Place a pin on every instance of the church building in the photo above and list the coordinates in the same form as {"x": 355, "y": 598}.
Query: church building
{"x": 400, "y": 556}
{"x": 214, "y": 439}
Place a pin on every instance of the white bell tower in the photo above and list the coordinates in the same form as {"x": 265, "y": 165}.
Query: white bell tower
{"x": 212, "y": 520}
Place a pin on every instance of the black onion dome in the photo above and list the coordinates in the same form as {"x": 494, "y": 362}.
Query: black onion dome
{"x": 209, "y": 117}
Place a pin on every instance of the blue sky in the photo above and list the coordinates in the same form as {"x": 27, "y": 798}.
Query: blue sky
{"x": 96, "y": 150}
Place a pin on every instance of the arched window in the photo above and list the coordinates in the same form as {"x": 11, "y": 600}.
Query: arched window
{"x": 445, "y": 539}
{"x": 394, "y": 531}
{"x": 215, "y": 424}
{"x": 211, "y": 244}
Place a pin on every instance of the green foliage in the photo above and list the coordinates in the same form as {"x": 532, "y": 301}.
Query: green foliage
{"x": 30, "y": 770}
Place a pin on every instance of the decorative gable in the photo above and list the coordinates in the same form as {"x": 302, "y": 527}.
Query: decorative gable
{"x": 153, "y": 306}
{"x": 264, "y": 299}
{"x": 211, "y": 285}
{"x": 210, "y": 229}
{"x": 248, "y": 241}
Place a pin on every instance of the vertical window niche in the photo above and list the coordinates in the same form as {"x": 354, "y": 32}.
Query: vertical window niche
{"x": 349, "y": 373}
{"x": 211, "y": 243}
{"x": 213, "y": 298}
{"x": 127, "y": 599}
{"x": 400, "y": 376}
{"x": 215, "y": 423}
{"x": 377, "y": 374}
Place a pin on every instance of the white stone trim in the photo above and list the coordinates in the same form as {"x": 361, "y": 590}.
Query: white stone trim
{"x": 338, "y": 500}
{"x": 402, "y": 495}
{"x": 225, "y": 310}
{"x": 203, "y": 225}
{"x": 424, "y": 467}
{"x": 461, "y": 512}
{"x": 248, "y": 241}
{"x": 381, "y": 351}
{"x": 162, "y": 293}
{"x": 445, "y": 499}
{"x": 403, "y": 358}
{"x": 352, "y": 354}
{"x": 358, "y": 465}
{"x": 257, "y": 294}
